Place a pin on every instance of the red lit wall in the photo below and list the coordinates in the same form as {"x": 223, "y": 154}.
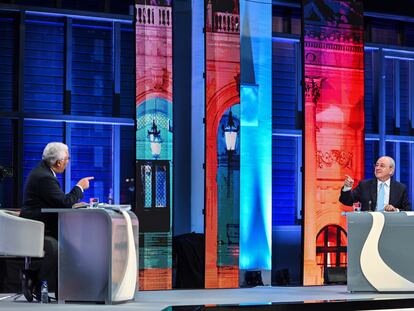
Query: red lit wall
{"x": 334, "y": 117}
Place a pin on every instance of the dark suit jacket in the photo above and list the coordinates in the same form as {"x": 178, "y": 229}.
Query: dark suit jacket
{"x": 366, "y": 193}
{"x": 42, "y": 190}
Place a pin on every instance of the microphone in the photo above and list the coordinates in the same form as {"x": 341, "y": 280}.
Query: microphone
{"x": 370, "y": 205}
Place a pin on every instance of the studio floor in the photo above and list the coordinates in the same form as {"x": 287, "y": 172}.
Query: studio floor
{"x": 262, "y": 297}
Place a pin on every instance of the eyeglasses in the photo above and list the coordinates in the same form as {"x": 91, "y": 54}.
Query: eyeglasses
{"x": 382, "y": 165}
{"x": 66, "y": 159}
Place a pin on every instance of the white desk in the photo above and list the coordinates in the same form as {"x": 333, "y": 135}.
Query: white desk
{"x": 98, "y": 255}
{"x": 380, "y": 252}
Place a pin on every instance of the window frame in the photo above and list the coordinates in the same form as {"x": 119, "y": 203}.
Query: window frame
{"x": 18, "y": 115}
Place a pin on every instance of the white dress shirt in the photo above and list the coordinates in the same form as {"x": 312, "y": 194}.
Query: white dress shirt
{"x": 386, "y": 190}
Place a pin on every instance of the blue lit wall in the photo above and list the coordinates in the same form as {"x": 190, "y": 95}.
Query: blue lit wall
{"x": 197, "y": 124}
{"x": 256, "y": 135}
{"x": 68, "y": 95}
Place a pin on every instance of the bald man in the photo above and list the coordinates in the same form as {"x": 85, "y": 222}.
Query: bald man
{"x": 378, "y": 194}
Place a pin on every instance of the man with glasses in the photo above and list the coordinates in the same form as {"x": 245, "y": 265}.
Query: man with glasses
{"x": 43, "y": 190}
{"x": 378, "y": 194}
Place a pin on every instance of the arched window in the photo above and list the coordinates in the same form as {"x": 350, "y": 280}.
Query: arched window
{"x": 331, "y": 244}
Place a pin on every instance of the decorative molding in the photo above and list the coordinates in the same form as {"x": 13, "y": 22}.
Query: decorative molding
{"x": 327, "y": 159}
{"x": 338, "y": 36}
{"x": 313, "y": 86}
{"x": 160, "y": 79}
{"x": 226, "y": 22}
{"x": 335, "y": 47}
{"x": 154, "y": 15}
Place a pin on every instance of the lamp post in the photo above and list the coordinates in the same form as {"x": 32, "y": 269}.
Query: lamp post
{"x": 154, "y": 137}
{"x": 230, "y": 135}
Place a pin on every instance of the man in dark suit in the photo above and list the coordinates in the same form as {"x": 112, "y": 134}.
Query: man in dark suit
{"x": 42, "y": 190}
{"x": 377, "y": 194}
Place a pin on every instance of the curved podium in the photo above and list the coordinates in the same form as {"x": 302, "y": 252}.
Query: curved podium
{"x": 98, "y": 255}
{"x": 380, "y": 252}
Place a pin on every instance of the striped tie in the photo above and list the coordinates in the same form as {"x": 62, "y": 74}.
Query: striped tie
{"x": 381, "y": 194}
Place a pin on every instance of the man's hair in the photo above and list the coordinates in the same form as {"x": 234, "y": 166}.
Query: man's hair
{"x": 53, "y": 152}
{"x": 392, "y": 163}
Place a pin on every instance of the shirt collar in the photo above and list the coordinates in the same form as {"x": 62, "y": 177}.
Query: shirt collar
{"x": 387, "y": 182}
{"x": 54, "y": 174}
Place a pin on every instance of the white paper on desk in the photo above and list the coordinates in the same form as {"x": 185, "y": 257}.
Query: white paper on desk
{"x": 126, "y": 289}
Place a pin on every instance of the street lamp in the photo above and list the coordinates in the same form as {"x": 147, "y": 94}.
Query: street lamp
{"x": 154, "y": 137}
{"x": 230, "y": 135}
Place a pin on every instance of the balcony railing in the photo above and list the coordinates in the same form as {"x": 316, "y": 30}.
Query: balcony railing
{"x": 154, "y": 15}
{"x": 226, "y": 22}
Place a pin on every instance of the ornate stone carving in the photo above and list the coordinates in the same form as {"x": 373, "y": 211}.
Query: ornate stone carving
{"x": 313, "y": 87}
{"x": 160, "y": 79}
{"x": 334, "y": 35}
{"x": 327, "y": 159}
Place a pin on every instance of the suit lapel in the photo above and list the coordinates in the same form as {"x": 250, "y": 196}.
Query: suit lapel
{"x": 373, "y": 191}
{"x": 392, "y": 193}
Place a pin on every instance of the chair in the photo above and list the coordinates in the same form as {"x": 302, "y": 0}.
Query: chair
{"x": 20, "y": 237}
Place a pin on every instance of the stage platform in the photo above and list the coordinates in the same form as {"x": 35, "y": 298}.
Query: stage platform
{"x": 333, "y": 297}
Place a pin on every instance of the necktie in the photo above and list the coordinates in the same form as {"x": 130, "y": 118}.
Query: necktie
{"x": 380, "y": 199}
